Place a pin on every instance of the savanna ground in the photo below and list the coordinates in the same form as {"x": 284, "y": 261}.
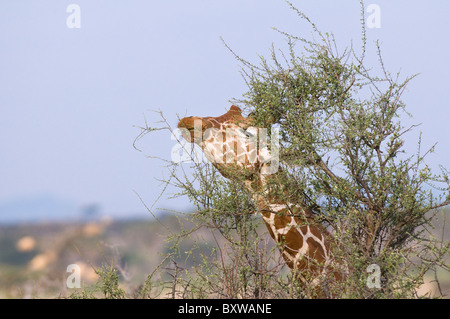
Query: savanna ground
{"x": 34, "y": 258}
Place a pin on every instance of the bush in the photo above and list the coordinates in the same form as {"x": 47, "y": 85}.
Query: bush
{"x": 342, "y": 150}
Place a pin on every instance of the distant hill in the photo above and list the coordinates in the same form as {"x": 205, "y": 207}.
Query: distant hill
{"x": 51, "y": 208}
{"x": 38, "y": 208}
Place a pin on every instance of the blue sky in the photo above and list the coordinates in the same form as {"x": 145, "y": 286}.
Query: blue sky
{"x": 71, "y": 99}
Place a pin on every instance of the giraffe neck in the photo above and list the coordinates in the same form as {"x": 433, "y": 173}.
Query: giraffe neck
{"x": 303, "y": 241}
{"x": 229, "y": 152}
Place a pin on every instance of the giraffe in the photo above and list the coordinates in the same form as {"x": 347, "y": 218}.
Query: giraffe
{"x": 228, "y": 141}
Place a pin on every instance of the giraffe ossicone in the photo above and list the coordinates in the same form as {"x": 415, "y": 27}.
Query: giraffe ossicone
{"x": 304, "y": 242}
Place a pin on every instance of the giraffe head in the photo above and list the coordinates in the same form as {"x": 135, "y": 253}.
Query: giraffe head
{"x": 230, "y": 142}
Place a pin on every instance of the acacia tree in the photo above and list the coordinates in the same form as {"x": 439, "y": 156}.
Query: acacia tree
{"x": 342, "y": 148}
